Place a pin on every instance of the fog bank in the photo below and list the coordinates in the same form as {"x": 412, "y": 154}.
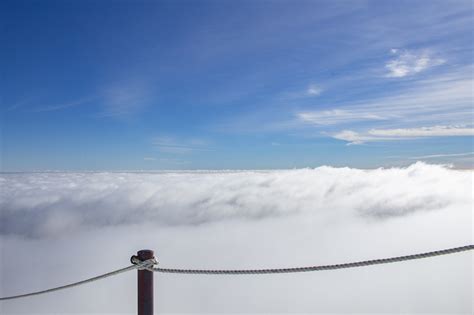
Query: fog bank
{"x": 93, "y": 222}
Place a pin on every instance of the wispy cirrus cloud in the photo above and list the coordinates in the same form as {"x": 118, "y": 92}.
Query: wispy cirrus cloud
{"x": 314, "y": 90}
{"x": 435, "y": 131}
{"x": 66, "y": 105}
{"x": 444, "y": 100}
{"x": 353, "y": 137}
{"x": 407, "y": 63}
{"x": 304, "y": 91}
{"x": 126, "y": 99}
{"x": 179, "y": 145}
{"x": 443, "y": 155}
{"x": 33, "y": 105}
{"x": 336, "y": 116}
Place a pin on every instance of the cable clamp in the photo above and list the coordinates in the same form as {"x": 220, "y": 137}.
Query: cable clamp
{"x": 145, "y": 264}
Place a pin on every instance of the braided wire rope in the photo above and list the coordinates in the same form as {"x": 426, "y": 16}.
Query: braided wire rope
{"x": 148, "y": 265}
{"x": 141, "y": 265}
{"x": 318, "y": 268}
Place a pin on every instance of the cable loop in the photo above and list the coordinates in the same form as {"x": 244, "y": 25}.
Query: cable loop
{"x": 145, "y": 264}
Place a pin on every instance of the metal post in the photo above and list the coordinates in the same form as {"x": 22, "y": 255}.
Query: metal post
{"x": 145, "y": 285}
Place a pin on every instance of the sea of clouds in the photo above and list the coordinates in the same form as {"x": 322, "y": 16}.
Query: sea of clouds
{"x": 58, "y": 228}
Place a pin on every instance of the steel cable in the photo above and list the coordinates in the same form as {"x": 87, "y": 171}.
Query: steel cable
{"x": 318, "y": 268}
{"x": 148, "y": 265}
{"x": 143, "y": 265}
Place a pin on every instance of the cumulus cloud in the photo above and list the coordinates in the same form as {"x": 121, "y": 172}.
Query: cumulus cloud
{"x": 92, "y": 222}
{"x": 408, "y": 63}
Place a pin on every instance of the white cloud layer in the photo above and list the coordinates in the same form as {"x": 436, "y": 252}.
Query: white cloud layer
{"x": 59, "y": 221}
{"x": 49, "y": 204}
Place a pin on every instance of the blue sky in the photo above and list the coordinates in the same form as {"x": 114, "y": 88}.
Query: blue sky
{"x": 141, "y": 85}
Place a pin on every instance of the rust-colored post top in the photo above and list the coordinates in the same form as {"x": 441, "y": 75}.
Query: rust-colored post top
{"x": 145, "y": 254}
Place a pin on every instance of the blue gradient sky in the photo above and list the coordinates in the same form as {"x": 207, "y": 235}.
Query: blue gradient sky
{"x": 137, "y": 85}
